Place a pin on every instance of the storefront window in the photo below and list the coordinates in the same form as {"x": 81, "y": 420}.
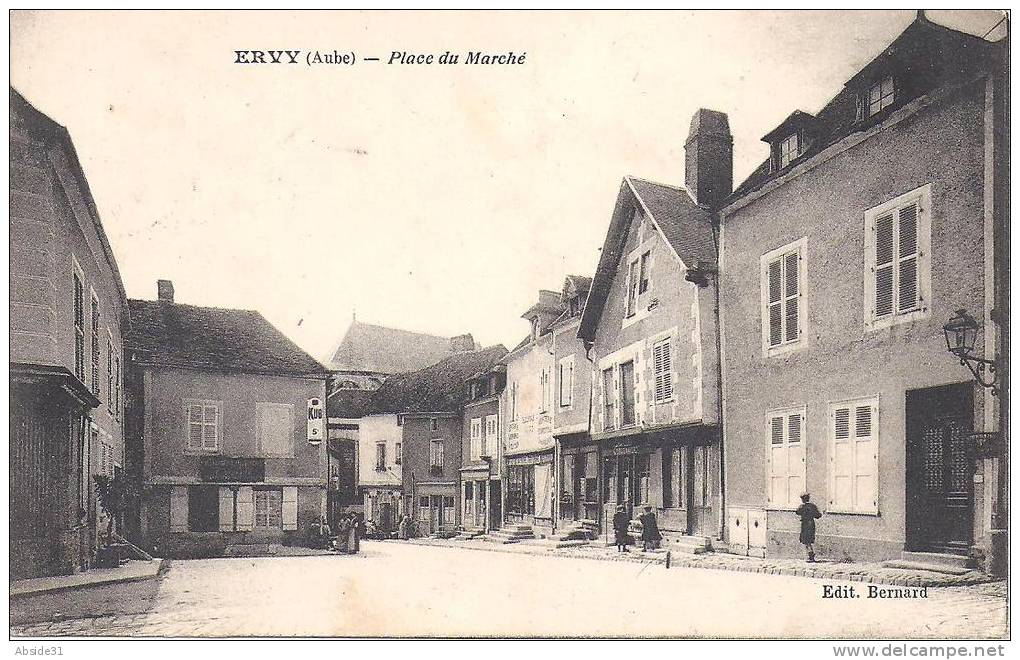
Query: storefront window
{"x": 520, "y": 497}
{"x": 269, "y": 508}
{"x": 641, "y": 478}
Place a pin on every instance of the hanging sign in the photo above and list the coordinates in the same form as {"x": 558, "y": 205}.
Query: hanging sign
{"x": 316, "y": 421}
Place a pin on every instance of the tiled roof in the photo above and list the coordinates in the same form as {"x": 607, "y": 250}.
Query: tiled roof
{"x": 924, "y": 55}
{"x": 233, "y": 340}
{"x": 686, "y": 226}
{"x": 379, "y": 349}
{"x": 437, "y": 388}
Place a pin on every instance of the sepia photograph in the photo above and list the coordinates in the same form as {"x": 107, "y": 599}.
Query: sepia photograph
{"x": 510, "y": 324}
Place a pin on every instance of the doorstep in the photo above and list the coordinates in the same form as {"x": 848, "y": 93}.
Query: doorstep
{"x": 874, "y": 573}
{"x": 130, "y": 571}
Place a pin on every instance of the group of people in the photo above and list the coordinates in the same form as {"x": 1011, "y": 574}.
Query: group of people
{"x": 650, "y": 536}
{"x": 346, "y": 538}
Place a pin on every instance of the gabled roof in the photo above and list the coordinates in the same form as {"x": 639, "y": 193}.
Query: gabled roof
{"x": 231, "y": 340}
{"x": 925, "y": 55}
{"x": 437, "y": 388}
{"x": 379, "y": 349}
{"x": 42, "y": 127}
{"x": 685, "y": 225}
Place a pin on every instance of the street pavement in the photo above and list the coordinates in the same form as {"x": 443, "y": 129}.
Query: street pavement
{"x": 398, "y": 589}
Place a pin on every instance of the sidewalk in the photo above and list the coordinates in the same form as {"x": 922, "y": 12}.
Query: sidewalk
{"x": 865, "y": 572}
{"x": 129, "y": 571}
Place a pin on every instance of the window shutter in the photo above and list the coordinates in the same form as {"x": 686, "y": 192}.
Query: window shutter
{"x": 775, "y": 283}
{"x": 884, "y": 246}
{"x": 245, "y": 508}
{"x": 907, "y": 285}
{"x": 795, "y": 458}
{"x": 792, "y": 295}
{"x": 179, "y": 509}
{"x": 289, "y": 508}
{"x": 778, "y": 473}
{"x": 865, "y": 459}
{"x": 210, "y": 427}
{"x": 841, "y": 461}
{"x": 195, "y": 427}
{"x": 226, "y": 509}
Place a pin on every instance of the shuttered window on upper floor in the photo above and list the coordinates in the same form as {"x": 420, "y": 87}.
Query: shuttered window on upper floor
{"x": 896, "y": 257}
{"x": 662, "y": 360}
{"x": 783, "y": 300}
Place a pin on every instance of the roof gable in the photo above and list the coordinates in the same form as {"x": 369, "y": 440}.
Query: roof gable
{"x": 684, "y": 225}
{"x": 379, "y": 349}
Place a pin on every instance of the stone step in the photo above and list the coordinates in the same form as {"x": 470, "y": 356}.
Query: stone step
{"x": 247, "y": 550}
{"x": 922, "y": 566}
{"x": 940, "y": 558}
{"x": 558, "y": 543}
{"x": 511, "y": 534}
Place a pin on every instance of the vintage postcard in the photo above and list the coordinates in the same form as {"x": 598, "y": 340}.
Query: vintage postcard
{"x": 510, "y": 324}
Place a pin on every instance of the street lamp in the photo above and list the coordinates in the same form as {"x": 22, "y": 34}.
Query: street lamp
{"x": 961, "y": 335}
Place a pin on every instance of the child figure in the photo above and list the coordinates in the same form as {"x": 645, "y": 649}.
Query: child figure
{"x": 808, "y": 513}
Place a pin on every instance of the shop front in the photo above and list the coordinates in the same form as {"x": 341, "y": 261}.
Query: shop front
{"x": 529, "y": 490}
{"x": 383, "y": 508}
{"x": 579, "y": 483}
{"x": 436, "y": 508}
{"x": 479, "y": 496}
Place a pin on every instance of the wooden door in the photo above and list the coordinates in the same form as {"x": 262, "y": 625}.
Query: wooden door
{"x": 940, "y": 469}
{"x": 697, "y": 478}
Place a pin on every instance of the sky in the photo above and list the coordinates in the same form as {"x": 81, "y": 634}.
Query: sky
{"x": 434, "y": 198}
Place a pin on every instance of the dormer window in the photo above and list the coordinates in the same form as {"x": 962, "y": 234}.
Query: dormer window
{"x": 789, "y": 150}
{"x": 534, "y": 328}
{"x": 880, "y": 96}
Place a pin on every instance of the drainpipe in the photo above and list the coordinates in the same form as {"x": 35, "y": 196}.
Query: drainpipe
{"x": 716, "y": 229}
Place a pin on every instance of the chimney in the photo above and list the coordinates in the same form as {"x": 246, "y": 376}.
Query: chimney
{"x": 462, "y": 343}
{"x": 709, "y": 165}
{"x": 165, "y": 289}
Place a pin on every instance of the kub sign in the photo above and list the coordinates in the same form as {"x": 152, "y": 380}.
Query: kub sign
{"x": 316, "y": 421}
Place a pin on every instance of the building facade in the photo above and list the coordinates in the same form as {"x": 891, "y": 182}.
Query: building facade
{"x": 68, "y": 310}
{"x": 528, "y": 445}
{"x": 479, "y": 482}
{"x": 651, "y": 332}
{"x": 231, "y": 420}
{"x": 844, "y": 255}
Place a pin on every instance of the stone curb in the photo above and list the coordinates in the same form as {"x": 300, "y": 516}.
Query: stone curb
{"x": 720, "y": 563}
{"x": 161, "y": 569}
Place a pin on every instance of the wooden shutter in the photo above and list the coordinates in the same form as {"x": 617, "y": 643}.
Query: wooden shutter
{"x": 662, "y": 363}
{"x": 865, "y": 458}
{"x": 841, "y": 459}
{"x": 195, "y": 426}
{"x": 245, "y": 508}
{"x": 791, "y": 295}
{"x": 906, "y": 289}
{"x": 210, "y": 427}
{"x": 795, "y": 457}
{"x": 179, "y": 509}
{"x": 778, "y": 473}
{"x": 775, "y": 302}
{"x": 884, "y": 265}
{"x": 226, "y": 509}
{"x": 290, "y": 508}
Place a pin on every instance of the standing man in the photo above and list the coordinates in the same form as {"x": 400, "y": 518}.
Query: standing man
{"x": 650, "y": 535}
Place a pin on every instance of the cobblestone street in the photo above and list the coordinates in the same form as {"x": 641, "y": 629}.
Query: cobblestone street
{"x": 395, "y": 589}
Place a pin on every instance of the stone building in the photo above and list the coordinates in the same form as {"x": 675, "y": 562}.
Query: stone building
{"x": 227, "y": 427}
{"x": 843, "y": 255}
{"x": 68, "y": 311}
{"x": 480, "y": 456}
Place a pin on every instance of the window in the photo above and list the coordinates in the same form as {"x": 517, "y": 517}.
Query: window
{"x": 627, "y": 417}
{"x": 400, "y": 420}
{"x": 398, "y": 455}
{"x": 95, "y": 344}
{"x": 269, "y": 509}
{"x": 109, "y": 374}
{"x": 203, "y": 425}
{"x": 789, "y": 150}
{"x": 520, "y": 492}
{"x": 853, "y": 456}
{"x": 513, "y": 401}
{"x": 434, "y": 423}
{"x": 632, "y": 288}
{"x": 436, "y": 455}
{"x": 663, "y": 366}
{"x": 642, "y": 477}
{"x": 880, "y": 96}
{"x": 566, "y": 380}
{"x": 643, "y": 273}
{"x": 275, "y": 428}
{"x": 898, "y": 272}
{"x": 783, "y": 303}
{"x": 116, "y": 385}
{"x": 203, "y": 508}
{"x": 491, "y": 435}
{"x": 608, "y": 400}
{"x": 476, "y": 439}
{"x": 79, "y": 325}
{"x": 380, "y": 456}
{"x": 785, "y": 430}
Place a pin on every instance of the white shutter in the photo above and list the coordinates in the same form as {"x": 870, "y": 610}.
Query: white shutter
{"x": 226, "y": 510}
{"x": 778, "y": 472}
{"x": 290, "y": 508}
{"x": 245, "y": 508}
{"x": 865, "y": 444}
{"x": 210, "y": 427}
{"x": 796, "y": 464}
{"x": 179, "y": 509}
{"x": 195, "y": 427}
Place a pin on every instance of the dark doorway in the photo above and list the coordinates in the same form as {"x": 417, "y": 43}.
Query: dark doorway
{"x": 940, "y": 469}
{"x": 699, "y": 513}
{"x": 203, "y": 508}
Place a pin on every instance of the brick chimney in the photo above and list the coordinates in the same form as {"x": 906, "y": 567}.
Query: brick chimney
{"x": 709, "y": 165}
{"x": 165, "y": 290}
{"x": 462, "y": 343}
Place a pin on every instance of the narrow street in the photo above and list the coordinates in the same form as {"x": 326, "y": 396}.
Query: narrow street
{"x": 393, "y": 589}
